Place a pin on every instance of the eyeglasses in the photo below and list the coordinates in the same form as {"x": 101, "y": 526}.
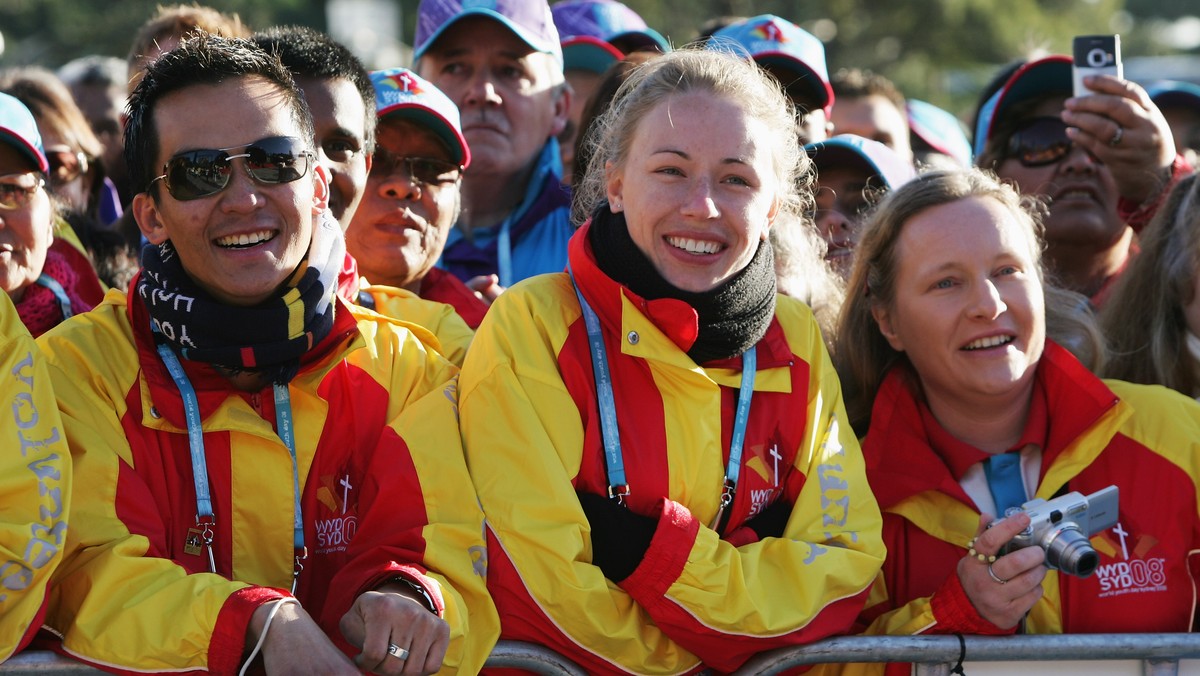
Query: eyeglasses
{"x": 66, "y": 165}
{"x": 199, "y": 173}
{"x": 16, "y": 190}
{"x": 423, "y": 170}
{"x": 853, "y": 206}
{"x": 1039, "y": 142}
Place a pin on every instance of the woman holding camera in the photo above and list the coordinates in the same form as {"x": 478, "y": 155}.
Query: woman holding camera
{"x": 969, "y": 409}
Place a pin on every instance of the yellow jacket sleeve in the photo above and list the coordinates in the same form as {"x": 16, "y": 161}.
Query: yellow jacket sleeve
{"x": 35, "y": 483}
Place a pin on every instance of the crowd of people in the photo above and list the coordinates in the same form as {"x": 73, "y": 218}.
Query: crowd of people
{"x": 656, "y": 356}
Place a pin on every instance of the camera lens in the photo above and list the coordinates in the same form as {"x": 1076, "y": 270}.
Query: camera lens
{"x": 1068, "y": 550}
{"x": 1097, "y": 58}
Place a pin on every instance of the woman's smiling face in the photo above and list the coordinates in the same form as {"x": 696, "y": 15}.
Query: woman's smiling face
{"x": 697, "y": 203}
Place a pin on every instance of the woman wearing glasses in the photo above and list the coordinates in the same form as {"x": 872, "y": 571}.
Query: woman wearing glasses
{"x": 947, "y": 346}
{"x": 1102, "y": 163}
{"x": 76, "y": 178}
{"x": 413, "y": 198}
{"x": 48, "y": 279}
{"x": 656, "y": 436}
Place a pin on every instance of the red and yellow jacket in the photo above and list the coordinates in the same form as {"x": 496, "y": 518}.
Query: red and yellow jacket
{"x": 440, "y": 324}
{"x": 382, "y": 493}
{"x": 699, "y": 597}
{"x": 35, "y": 483}
{"x": 1145, "y": 440}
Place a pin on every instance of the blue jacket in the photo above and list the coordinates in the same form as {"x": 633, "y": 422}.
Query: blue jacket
{"x": 537, "y": 232}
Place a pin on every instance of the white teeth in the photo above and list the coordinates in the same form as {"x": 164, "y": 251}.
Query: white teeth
{"x": 694, "y": 246}
{"x": 984, "y": 343}
{"x": 245, "y": 239}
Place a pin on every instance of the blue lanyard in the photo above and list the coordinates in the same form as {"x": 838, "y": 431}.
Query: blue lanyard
{"x": 618, "y": 486}
{"x": 504, "y": 268}
{"x": 286, "y": 431}
{"x": 60, "y": 294}
{"x": 549, "y": 161}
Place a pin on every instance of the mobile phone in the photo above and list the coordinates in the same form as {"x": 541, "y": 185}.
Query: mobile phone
{"x": 1095, "y": 55}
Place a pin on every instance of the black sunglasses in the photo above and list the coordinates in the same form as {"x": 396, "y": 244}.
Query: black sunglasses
{"x": 1039, "y": 141}
{"x": 199, "y": 173}
{"x": 66, "y": 165}
{"x": 423, "y": 170}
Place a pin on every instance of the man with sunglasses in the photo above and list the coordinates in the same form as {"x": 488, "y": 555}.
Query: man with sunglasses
{"x": 413, "y": 198}
{"x": 1101, "y": 162}
{"x": 267, "y": 470}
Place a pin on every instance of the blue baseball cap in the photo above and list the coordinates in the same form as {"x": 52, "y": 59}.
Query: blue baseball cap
{"x": 940, "y": 129}
{"x": 529, "y": 20}
{"x": 19, "y": 130}
{"x": 402, "y": 93}
{"x": 1175, "y": 93}
{"x": 1037, "y": 79}
{"x": 878, "y": 159}
{"x": 773, "y": 41}
{"x": 597, "y": 33}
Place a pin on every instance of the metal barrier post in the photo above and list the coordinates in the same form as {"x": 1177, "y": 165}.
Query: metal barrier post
{"x": 1160, "y": 667}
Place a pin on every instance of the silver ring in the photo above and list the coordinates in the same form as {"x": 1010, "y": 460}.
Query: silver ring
{"x": 994, "y": 577}
{"x": 1116, "y": 139}
{"x": 402, "y": 653}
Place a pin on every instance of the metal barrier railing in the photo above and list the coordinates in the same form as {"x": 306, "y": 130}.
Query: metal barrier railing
{"x": 933, "y": 655}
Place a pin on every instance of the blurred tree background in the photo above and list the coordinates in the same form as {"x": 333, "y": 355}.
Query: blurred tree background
{"x": 941, "y": 51}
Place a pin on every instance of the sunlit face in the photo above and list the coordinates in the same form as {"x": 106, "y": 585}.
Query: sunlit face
{"x": 504, "y": 91}
{"x": 402, "y": 223}
{"x": 968, "y": 310}
{"x": 26, "y": 232}
{"x": 697, "y": 203}
{"x": 841, "y": 200}
{"x": 339, "y": 119}
{"x": 874, "y": 117}
{"x": 1081, "y": 192}
{"x": 276, "y": 220}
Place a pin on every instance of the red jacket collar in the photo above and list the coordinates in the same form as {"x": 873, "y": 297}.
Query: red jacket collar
{"x": 960, "y": 456}
{"x": 675, "y": 318}
{"x": 899, "y": 446}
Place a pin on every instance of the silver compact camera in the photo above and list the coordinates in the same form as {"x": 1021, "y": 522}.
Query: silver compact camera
{"x": 1062, "y": 527}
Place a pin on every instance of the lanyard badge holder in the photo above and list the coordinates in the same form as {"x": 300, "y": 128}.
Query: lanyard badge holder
{"x": 618, "y": 486}
{"x": 200, "y": 538}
